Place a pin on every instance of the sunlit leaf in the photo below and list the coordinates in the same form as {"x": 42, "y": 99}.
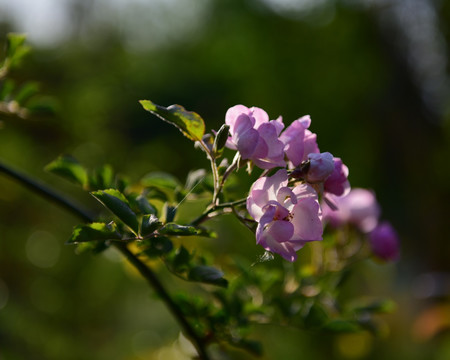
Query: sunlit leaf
{"x": 94, "y": 231}
{"x": 70, "y": 169}
{"x": 16, "y": 48}
{"x": 178, "y": 230}
{"x": 103, "y": 178}
{"x": 189, "y": 123}
{"x": 118, "y": 204}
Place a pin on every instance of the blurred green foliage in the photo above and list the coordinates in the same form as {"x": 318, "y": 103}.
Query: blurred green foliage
{"x": 365, "y": 108}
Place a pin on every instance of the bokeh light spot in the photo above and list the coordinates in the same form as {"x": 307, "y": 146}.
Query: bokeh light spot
{"x": 42, "y": 249}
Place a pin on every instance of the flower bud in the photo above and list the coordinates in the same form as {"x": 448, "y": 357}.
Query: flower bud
{"x": 221, "y": 139}
{"x": 321, "y": 166}
{"x": 384, "y": 242}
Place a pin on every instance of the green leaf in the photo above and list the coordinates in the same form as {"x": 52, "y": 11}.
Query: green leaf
{"x": 144, "y": 206}
{"x": 160, "y": 179}
{"x": 181, "y": 259}
{"x": 208, "y": 275}
{"x": 94, "y": 231}
{"x": 150, "y": 223}
{"x": 170, "y": 212}
{"x": 26, "y": 91}
{"x": 158, "y": 246}
{"x": 221, "y": 139}
{"x": 115, "y": 201}
{"x": 69, "y": 168}
{"x": 103, "y": 178}
{"x": 178, "y": 230}
{"x": 189, "y": 123}
{"x": 15, "y": 48}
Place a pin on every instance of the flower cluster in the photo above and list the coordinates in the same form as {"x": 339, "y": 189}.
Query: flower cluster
{"x": 286, "y": 204}
{"x": 360, "y": 209}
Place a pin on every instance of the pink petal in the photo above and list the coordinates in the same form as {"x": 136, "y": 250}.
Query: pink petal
{"x": 307, "y": 221}
{"x": 233, "y": 113}
{"x": 259, "y": 115}
{"x": 292, "y": 138}
{"x": 247, "y": 143}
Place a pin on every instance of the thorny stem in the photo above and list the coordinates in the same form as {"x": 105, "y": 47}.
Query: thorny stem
{"x": 143, "y": 269}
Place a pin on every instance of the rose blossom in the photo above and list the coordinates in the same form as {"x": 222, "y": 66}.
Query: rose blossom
{"x": 298, "y": 141}
{"x": 359, "y": 208}
{"x": 384, "y": 242}
{"x": 255, "y": 137}
{"x": 287, "y": 218}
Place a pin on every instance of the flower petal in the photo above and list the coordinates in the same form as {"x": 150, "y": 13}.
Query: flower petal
{"x": 307, "y": 221}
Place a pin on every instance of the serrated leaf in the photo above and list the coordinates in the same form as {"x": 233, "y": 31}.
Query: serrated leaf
{"x": 149, "y": 224}
{"x": 69, "y": 168}
{"x": 208, "y": 275}
{"x": 160, "y": 179}
{"x": 94, "y": 231}
{"x": 189, "y": 123}
{"x": 116, "y": 202}
{"x": 178, "y": 230}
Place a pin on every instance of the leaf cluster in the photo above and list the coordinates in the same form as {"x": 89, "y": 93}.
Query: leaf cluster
{"x": 19, "y": 100}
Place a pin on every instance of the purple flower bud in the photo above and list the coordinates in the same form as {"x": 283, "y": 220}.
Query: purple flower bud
{"x": 337, "y": 183}
{"x": 320, "y": 167}
{"x": 384, "y": 242}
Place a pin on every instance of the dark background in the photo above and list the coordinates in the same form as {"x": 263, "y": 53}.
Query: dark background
{"x": 373, "y": 75}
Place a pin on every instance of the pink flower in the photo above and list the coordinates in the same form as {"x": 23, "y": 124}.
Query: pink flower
{"x": 255, "y": 137}
{"x": 320, "y": 167}
{"x": 359, "y": 208}
{"x": 298, "y": 141}
{"x": 384, "y": 242}
{"x": 337, "y": 183}
{"x": 287, "y": 218}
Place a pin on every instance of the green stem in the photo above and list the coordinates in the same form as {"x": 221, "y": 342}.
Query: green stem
{"x": 215, "y": 172}
{"x": 205, "y": 216}
{"x": 143, "y": 269}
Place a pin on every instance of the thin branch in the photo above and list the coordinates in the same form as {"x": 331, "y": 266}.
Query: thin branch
{"x": 46, "y": 192}
{"x": 205, "y": 216}
{"x": 143, "y": 269}
{"x": 214, "y": 171}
